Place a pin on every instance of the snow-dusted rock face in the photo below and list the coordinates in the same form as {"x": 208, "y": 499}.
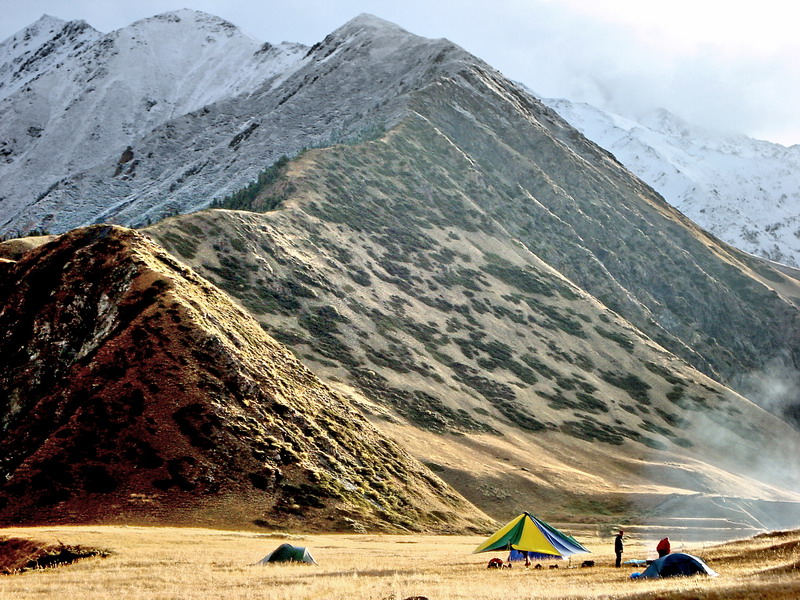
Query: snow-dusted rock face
{"x": 73, "y": 98}
{"x": 41, "y": 47}
{"x": 121, "y": 136}
{"x": 744, "y": 191}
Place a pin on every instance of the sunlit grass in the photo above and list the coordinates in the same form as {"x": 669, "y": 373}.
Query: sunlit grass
{"x": 149, "y": 563}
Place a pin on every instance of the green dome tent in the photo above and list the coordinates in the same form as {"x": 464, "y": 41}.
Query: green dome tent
{"x": 288, "y": 553}
{"x": 528, "y": 534}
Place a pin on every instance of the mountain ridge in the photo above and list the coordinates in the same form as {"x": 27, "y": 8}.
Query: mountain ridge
{"x": 38, "y": 48}
{"x": 71, "y": 116}
{"x": 427, "y": 403}
{"x": 690, "y": 176}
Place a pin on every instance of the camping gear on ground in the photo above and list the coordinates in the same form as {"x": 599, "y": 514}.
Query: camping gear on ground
{"x": 288, "y": 553}
{"x": 540, "y": 540}
{"x": 495, "y": 563}
{"x": 677, "y": 564}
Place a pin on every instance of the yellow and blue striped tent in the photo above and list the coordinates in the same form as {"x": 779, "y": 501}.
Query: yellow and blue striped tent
{"x": 528, "y": 534}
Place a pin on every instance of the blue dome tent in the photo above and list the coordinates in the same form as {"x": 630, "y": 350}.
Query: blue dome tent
{"x": 677, "y": 564}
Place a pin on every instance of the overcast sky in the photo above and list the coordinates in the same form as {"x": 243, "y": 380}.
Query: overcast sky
{"x": 729, "y": 65}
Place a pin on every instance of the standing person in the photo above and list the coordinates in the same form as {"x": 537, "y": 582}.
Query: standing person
{"x": 619, "y": 547}
{"x": 663, "y": 547}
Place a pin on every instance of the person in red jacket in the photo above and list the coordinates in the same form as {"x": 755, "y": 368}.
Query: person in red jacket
{"x": 663, "y": 547}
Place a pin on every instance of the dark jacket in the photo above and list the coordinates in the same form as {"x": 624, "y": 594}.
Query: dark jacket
{"x": 618, "y": 544}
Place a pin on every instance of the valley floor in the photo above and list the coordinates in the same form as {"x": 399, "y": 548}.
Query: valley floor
{"x": 167, "y": 563}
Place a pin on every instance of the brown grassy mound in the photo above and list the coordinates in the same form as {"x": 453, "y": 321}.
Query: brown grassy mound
{"x": 14, "y": 249}
{"x": 18, "y": 555}
{"x": 132, "y": 391}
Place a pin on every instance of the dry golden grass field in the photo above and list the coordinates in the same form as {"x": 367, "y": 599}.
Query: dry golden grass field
{"x": 194, "y": 564}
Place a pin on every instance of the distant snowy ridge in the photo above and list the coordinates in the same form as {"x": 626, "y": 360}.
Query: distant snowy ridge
{"x": 744, "y": 191}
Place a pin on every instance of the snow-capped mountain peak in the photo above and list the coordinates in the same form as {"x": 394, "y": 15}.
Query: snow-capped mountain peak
{"x": 72, "y": 100}
{"x": 38, "y": 48}
{"x": 184, "y": 19}
{"x": 71, "y": 96}
{"x": 32, "y": 36}
{"x": 744, "y": 191}
{"x": 368, "y": 24}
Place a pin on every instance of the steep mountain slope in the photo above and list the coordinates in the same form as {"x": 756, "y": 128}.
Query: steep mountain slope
{"x": 573, "y": 205}
{"x": 562, "y": 197}
{"x": 360, "y": 79}
{"x": 744, "y": 191}
{"x": 113, "y": 90}
{"x": 134, "y": 391}
{"x": 383, "y": 269}
{"x": 87, "y": 97}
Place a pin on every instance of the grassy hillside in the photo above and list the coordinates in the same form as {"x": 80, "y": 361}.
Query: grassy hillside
{"x": 493, "y": 291}
{"x": 390, "y": 269}
{"x": 133, "y": 391}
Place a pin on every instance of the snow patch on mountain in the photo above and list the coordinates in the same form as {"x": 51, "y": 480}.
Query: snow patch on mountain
{"x": 744, "y": 191}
